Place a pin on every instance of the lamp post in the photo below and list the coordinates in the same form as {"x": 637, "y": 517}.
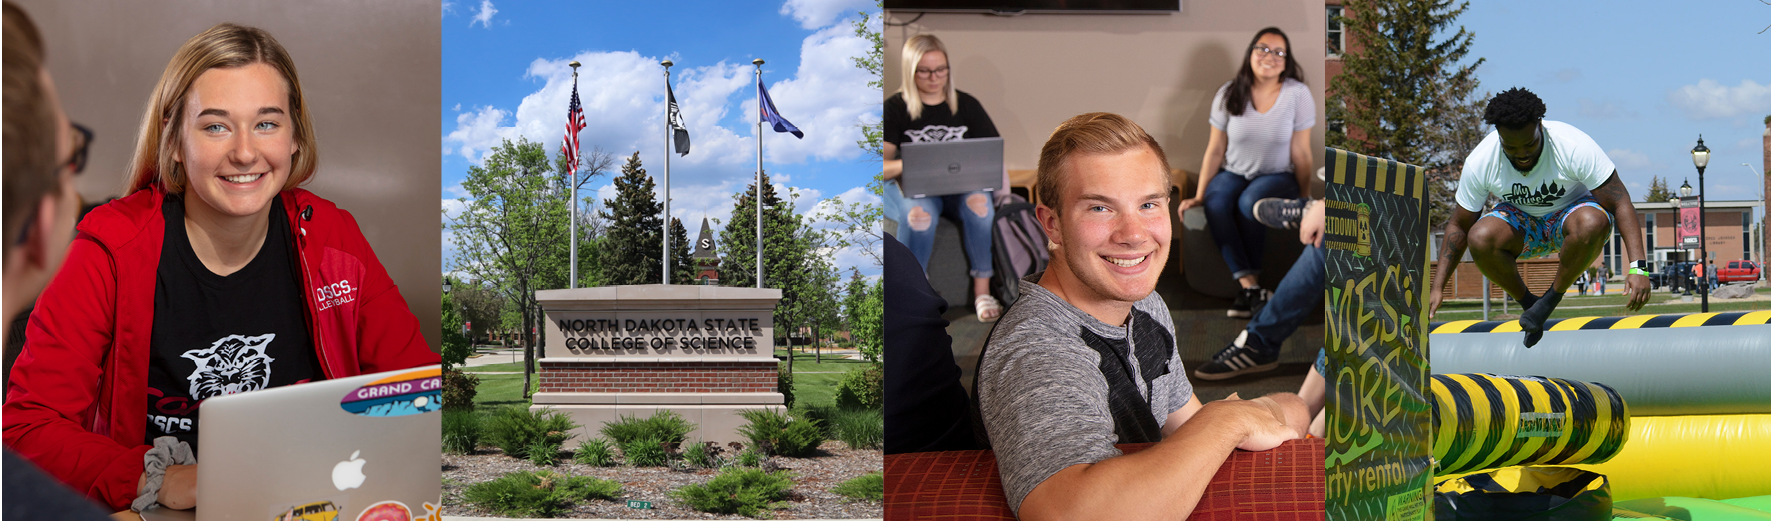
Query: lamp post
{"x": 1677, "y": 279}
{"x": 1700, "y": 156}
{"x": 446, "y": 284}
{"x": 1758, "y": 230}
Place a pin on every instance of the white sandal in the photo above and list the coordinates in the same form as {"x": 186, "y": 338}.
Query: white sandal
{"x": 986, "y": 304}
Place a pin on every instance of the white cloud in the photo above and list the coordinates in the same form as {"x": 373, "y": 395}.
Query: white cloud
{"x": 827, "y": 98}
{"x": 448, "y": 7}
{"x": 813, "y": 14}
{"x": 1710, "y": 99}
{"x": 1560, "y": 76}
{"x": 1604, "y": 109}
{"x": 1628, "y": 160}
{"x": 484, "y": 15}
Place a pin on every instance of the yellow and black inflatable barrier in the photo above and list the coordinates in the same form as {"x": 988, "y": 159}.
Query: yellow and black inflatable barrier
{"x": 1665, "y": 365}
{"x": 1486, "y": 421}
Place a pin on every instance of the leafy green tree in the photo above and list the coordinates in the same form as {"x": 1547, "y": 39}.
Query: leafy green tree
{"x": 594, "y": 164}
{"x": 511, "y": 234}
{"x": 456, "y": 347}
{"x": 789, "y": 245}
{"x": 631, "y": 254}
{"x": 872, "y": 134}
{"x": 478, "y": 305}
{"x": 1407, "y": 94}
{"x": 1657, "y": 191}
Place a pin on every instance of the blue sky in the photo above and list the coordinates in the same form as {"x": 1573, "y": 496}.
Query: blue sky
{"x": 1643, "y": 79}
{"x": 505, "y": 75}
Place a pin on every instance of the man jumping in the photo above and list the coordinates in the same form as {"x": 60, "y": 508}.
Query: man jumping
{"x": 1542, "y": 171}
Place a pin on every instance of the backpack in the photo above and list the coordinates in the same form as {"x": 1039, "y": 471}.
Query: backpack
{"x": 1017, "y": 247}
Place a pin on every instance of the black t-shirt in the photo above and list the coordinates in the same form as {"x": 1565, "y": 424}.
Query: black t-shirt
{"x": 216, "y": 335}
{"x": 937, "y": 122}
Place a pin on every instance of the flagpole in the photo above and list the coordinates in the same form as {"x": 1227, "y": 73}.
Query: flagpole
{"x": 667, "y": 134}
{"x": 572, "y": 199}
{"x": 759, "y": 172}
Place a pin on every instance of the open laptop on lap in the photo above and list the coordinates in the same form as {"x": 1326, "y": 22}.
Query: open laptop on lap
{"x": 359, "y": 448}
{"x": 951, "y": 167}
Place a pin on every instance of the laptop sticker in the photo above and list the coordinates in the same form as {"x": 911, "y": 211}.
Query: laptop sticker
{"x": 404, "y": 394}
{"x": 319, "y": 510}
{"x": 386, "y": 511}
{"x": 432, "y": 511}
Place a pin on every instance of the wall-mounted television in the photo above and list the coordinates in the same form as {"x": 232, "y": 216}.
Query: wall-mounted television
{"x": 1011, "y": 7}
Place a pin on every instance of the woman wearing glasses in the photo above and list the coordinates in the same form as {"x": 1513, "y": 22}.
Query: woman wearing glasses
{"x": 215, "y": 275}
{"x": 1260, "y": 148}
{"x": 928, "y": 109}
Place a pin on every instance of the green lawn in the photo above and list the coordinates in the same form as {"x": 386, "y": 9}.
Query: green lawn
{"x": 813, "y": 382}
{"x": 1610, "y": 305}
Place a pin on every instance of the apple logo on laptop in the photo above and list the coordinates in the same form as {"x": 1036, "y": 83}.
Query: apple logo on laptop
{"x": 349, "y": 474}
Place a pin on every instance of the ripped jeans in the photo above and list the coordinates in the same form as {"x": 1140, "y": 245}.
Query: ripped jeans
{"x": 918, "y": 231}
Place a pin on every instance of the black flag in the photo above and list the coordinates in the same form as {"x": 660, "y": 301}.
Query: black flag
{"x": 676, "y": 122}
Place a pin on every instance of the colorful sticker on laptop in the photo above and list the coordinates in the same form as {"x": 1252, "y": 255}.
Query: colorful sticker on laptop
{"x": 386, "y": 511}
{"x": 432, "y": 512}
{"x": 404, "y": 394}
{"x": 321, "y": 510}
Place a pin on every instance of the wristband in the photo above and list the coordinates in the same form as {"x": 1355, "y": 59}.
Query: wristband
{"x": 167, "y": 451}
{"x": 1638, "y": 271}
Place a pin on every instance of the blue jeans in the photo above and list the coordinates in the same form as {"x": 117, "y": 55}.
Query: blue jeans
{"x": 1229, "y": 208}
{"x": 975, "y": 236}
{"x": 1298, "y": 294}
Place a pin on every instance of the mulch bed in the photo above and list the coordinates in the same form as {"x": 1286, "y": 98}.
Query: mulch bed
{"x": 810, "y": 498}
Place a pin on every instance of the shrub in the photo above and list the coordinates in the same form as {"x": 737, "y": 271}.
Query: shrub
{"x": 704, "y": 455}
{"x": 775, "y": 433}
{"x": 784, "y": 383}
{"x": 749, "y": 458}
{"x": 742, "y": 491}
{"x": 544, "y": 455}
{"x": 595, "y": 453}
{"x": 461, "y": 431}
{"x": 860, "y": 428}
{"x": 645, "y": 452}
{"x": 459, "y": 390}
{"x": 664, "y": 425}
{"x": 516, "y": 429}
{"x": 868, "y": 487}
{"x": 538, "y": 494}
{"x": 862, "y": 388}
{"x": 824, "y": 414}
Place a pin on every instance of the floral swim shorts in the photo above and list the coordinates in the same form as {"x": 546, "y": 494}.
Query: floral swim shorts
{"x": 1543, "y": 235}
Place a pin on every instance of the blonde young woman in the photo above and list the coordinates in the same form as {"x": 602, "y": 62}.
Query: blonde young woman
{"x": 928, "y": 109}
{"x": 214, "y": 275}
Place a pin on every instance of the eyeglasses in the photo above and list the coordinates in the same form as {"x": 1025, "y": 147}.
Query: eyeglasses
{"x": 928, "y": 73}
{"x": 78, "y": 160}
{"x": 1268, "y": 51}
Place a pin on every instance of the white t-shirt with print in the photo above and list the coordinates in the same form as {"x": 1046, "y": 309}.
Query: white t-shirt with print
{"x": 1571, "y": 164}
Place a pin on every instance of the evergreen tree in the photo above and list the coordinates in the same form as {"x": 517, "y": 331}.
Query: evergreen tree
{"x": 787, "y": 244}
{"x": 1406, "y": 94}
{"x": 631, "y": 253}
{"x": 1658, "y": 192}
{"x": 682, "y": 268}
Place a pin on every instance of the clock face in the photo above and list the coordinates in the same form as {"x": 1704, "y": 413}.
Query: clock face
{"x": 706, "y": 244}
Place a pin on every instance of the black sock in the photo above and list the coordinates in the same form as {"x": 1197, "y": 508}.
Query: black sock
{"x": 1526, "y": 301}
{"x": 1534, "y": 317}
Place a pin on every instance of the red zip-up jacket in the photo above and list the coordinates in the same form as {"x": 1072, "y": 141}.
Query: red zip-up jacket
{"x": 76, "y": 404}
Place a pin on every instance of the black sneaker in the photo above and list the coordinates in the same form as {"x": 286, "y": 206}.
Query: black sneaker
{"x": 1236, "y": 360}
{"x": 1279, "y": 212}
{"x": 1248, "y": 302}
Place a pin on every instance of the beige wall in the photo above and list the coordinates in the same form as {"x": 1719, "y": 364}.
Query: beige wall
{"x": 1033, "y": 71}
{"x": 369, "y": 70}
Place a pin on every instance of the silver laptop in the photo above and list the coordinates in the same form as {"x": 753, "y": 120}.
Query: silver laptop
{"x": 951, "y": 167}
{"x": 365, "y": 447}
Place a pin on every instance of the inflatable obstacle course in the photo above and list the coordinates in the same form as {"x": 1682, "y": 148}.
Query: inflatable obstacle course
{"x": 1379, "y": 425}
{"x": 1485, "y": 421}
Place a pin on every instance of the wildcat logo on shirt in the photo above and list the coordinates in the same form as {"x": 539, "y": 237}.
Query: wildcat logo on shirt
{"x": 1545, "y": 195}
{"x": 335, "y": 294}
{"x": 233, "y": 365}
{"x": 936, "y": 134}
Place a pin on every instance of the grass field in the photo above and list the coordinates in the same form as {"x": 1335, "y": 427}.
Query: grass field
{"x": 813, "y": 382}
{"x": 1610, "y": 305}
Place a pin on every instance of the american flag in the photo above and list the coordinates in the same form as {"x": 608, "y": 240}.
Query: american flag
{"x": 574, "y": 123}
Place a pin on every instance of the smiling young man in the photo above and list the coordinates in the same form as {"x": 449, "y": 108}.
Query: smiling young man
{"x": 1086, "y": 359}
{"x": 1559, "y": 193}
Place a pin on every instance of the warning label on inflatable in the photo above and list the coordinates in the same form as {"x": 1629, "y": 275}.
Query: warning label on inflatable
{"x": 1379, "y": 454}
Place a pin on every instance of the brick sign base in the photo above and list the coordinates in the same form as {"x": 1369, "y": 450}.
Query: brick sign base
{"x": 700, "y": 351}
